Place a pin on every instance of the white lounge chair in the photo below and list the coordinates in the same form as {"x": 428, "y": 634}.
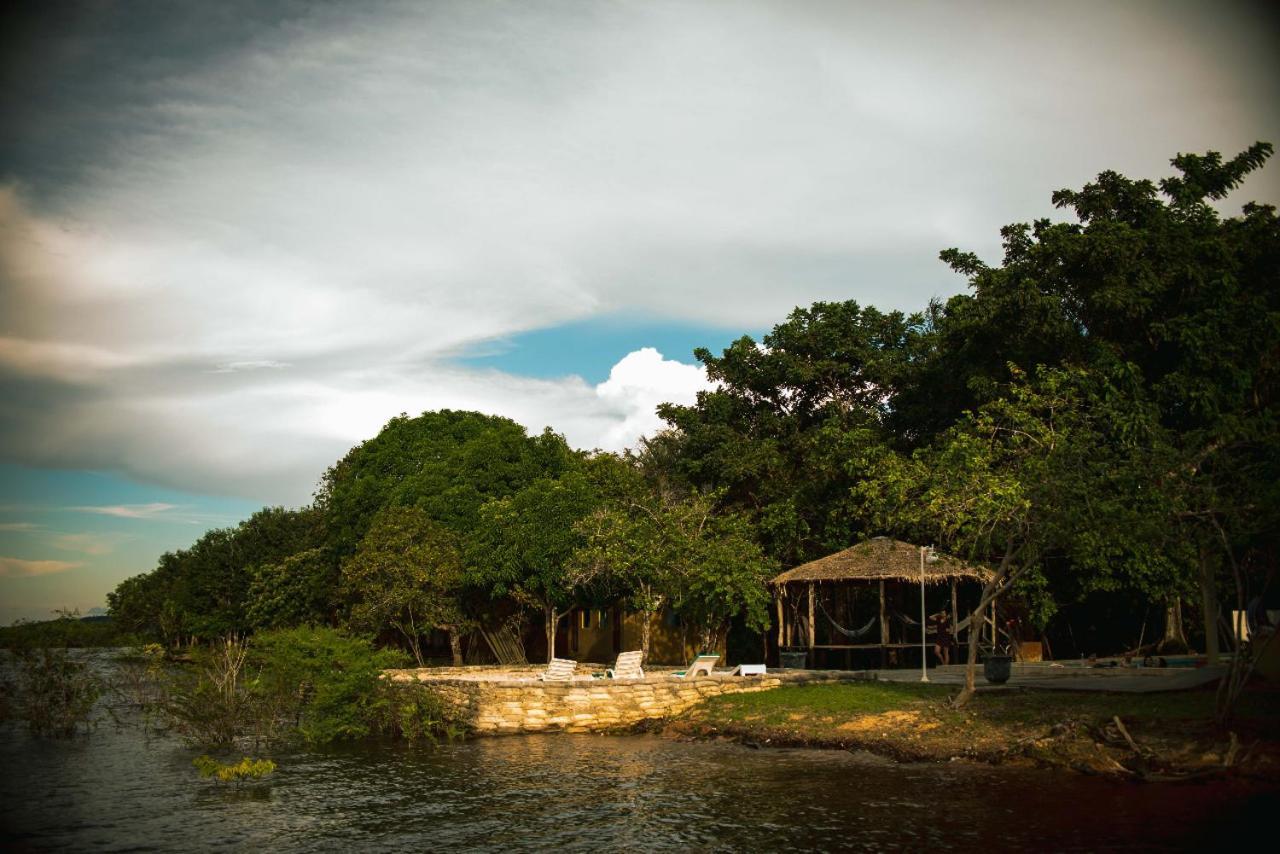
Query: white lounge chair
{"x": 702, "y": 666}
{"x": 748, "y": 670}
{"x": 627, "y": 666}
{"x": 560, "y": 670}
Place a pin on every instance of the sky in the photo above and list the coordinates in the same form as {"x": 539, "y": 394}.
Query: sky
{"x": 236, "y": 238}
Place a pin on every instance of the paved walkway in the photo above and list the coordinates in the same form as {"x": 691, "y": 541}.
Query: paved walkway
{"x": 1073, "y": 677}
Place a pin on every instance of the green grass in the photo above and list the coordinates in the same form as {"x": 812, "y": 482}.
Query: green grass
{"x": 818, "y": 709}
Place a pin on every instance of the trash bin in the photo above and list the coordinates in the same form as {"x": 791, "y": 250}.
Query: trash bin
{"x": 792, "y": 659}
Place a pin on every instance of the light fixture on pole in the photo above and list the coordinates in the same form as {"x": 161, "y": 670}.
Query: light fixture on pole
{"x": 926, "y": 553}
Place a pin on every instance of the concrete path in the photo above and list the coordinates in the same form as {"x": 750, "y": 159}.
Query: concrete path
{"x": 1072, "y": 677}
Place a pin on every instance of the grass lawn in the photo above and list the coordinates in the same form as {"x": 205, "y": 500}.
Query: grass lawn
{"x": 917, "y": 722}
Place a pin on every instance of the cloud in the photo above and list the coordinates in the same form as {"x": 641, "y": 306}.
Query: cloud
{"x": 12, "y": 567}
{"x": 89, "y": 544}
{"x": 251, "y": 365}
{"x": 637, "y": 384}
{"x": 19, "y": 526}
{"x": 235, "y": 240}
{"x": 127, "y": 511}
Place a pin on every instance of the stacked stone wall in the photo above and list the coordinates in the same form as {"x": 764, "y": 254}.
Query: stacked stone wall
{"x": 496, "y": 706}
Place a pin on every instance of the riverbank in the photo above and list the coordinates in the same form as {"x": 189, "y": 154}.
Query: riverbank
{"x": 1159, "y": 736}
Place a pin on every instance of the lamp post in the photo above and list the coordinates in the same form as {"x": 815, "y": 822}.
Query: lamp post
{"x": 924, "y": 620}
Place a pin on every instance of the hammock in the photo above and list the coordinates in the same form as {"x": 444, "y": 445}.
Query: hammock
{"x": 915, "y": 624}
{"x": 853, "y": 634}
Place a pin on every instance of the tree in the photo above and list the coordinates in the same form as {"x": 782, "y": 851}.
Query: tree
{"x": 202, "y": 591}
{"x": 300, "y": 590}
{"x": 763, "y": 436}
{"x": 1048, "y": 478}
{"x": 656, "y": 549}
{"x": 524, "y": 545}
{"x": 447, "y": 464}
{"x": 1150, "y": 276}
{"x": 407, "y": 573}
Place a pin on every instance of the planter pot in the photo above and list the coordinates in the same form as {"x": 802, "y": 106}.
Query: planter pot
{"x": 997, "y": 668}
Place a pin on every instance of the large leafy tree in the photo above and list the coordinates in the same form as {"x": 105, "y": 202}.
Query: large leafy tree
{"x": 300, "y": 590}
{"x": 1051, "y": 477}
{"x": 524, "y": 545}
{"x": 763, "y": 435}
{"x": 446, "y": 463}
{"x": 203, "y": 591}
{"x": 408, "y": 574}
{"x": 1152, "y": 277}
{"x": 661, "y": 548}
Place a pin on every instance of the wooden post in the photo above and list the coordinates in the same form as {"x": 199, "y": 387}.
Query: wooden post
{"x": 777, "y": 598}
{"x": 787, "y": 624}
{"x": 884, "y": 624}
{"x": 811, "y": 627}
{"x": 955, "y": 613}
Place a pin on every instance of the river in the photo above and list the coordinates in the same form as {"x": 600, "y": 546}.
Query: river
{"x": 118, "y": 790}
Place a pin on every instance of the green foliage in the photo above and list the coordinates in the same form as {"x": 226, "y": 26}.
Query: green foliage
{"x": 416, "y": 713}
{"x": 325, "y": 685}
{"x": 447, "y": 464}
{"x": 54, "y": 694}
{"x": 763, "y": 435}
{"x": 238, "y": 772}
{"x": 524, "y": 546}
{"x": 213, "y": 704}
{"x": 299, "y": 590}
{"x": 203, "y": 591}
{"x": 407, "y": 573}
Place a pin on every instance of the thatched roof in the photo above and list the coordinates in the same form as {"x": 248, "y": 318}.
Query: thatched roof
{"x": 882, "y": 558}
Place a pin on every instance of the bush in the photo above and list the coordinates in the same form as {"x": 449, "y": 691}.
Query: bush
{"x": 54, "y": 694}
{"x": 235, "y": 772}
{"x": 324, "y": 683}
{"x": 414, "y": 712}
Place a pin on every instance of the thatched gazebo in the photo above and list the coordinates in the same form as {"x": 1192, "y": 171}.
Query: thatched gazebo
{"x": 836, "y": 587}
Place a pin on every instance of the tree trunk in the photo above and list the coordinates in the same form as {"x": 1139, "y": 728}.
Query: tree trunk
{"x": 1175, "y": 639}
{"x": 646, "y": 618}
{"x": 993, "y": 588}
{"x": 455, "y": 646}
{"x": 1209, "y": 602}
{"x": 551, "y": 616}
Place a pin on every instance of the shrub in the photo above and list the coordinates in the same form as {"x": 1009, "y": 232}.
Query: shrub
{"x": 54, "y": 694}
{"x": 323, "y": 683}
{"x": 237, "y": 772}
{"x": 415, "y": 712}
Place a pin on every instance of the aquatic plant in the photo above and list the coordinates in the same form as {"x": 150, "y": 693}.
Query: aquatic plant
{"x": 238, "y": 772}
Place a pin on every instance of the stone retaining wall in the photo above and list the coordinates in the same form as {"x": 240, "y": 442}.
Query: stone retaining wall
{"x": 492, "y": 705}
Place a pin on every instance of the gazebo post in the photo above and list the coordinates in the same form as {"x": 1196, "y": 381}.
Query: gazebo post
{"x": 812, "y": 661}
{"x": 955, "y": 612}
{"x": 884, "y": 628}
{"x": 884, "y": 624}
{"x": 777, "y": 598}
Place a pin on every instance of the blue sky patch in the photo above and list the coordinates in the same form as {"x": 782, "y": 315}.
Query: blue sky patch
{"x": 591, "y": 347}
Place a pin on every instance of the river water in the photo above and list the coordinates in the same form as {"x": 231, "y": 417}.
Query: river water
{"x": 118, "y": 790}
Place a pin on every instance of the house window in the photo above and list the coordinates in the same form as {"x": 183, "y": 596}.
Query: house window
{"x": 602, "y": 618}
{"x": 585, "y": 617}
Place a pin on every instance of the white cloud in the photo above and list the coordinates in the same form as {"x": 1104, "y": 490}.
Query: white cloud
{"x": 12, "y": 567}
{"x": 636, "y": 385}
{"x": 126, "y": 511}
{"x": 19, "y": 526}
{"x": 89, "y": 544}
